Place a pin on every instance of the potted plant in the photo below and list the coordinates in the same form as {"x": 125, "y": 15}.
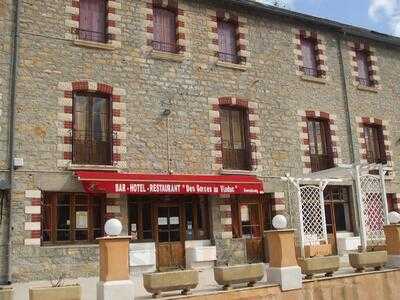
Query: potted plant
{"x": 58, "y": 290}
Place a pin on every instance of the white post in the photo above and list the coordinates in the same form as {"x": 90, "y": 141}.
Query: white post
{"x": 322, "y": 186}
{"x": 300, "y": 205}
{"x": 384, "y": 196}
{"x": 360, "y": 205}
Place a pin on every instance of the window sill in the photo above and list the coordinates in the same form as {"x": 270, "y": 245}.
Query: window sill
{"x": 176, "y": 57}
{"x": 367, "y": 88}
{"x": 231, "y": 65}
{"x": 63, "y": 246}
{"x": 313, "y": 79}
{"x": 75, "y": 167}
{"x": 97, "y": 45}
{"x": 237, "y": 172}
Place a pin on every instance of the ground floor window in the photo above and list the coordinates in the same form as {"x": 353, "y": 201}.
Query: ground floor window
{"x": 164, "y": 219}
{"x": 72, "y": 218}
{"x": 250, "y": 216}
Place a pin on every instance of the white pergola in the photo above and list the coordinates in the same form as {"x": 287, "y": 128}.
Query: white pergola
{"x": 308, "y": 203}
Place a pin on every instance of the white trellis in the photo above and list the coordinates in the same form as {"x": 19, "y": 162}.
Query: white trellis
{"x": 372, "y": 203}
{"x": 309, "y": 211}
{"x": 371, "y": 198}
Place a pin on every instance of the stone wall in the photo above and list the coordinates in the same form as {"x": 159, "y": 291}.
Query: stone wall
{"x": 184, "y": 84}
{"x": 381, "y": 285}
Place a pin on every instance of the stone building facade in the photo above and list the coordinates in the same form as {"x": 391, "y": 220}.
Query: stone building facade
{"x": 54, "y": 64}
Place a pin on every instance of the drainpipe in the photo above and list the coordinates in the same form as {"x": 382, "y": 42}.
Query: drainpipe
{"x": 13, "y": 83}
{"x": 346, "y": 99}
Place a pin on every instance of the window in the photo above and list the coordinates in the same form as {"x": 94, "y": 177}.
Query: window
{"x": 235, "y": 144}
{"x": 92, "y": 20}
{"x": 164, "y": 30}
{"x": 320, "y": 144}
{"x": 72, "y": 218}
{"x": 309, "y": 57}
{"x": 196, "y": 211}
{"x": 147, "y": 218}
{"x": 363, "y": 69}
{"x": 140, "y": 220}
{"x": 227, "y": 42}
{"x": 374, "y": 142}
{"x": 92, "y": 142}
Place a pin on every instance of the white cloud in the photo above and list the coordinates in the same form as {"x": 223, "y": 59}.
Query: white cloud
{"x": 386, "y": 11}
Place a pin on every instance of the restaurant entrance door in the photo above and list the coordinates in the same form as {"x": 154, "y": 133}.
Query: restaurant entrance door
{"x": 170, "y": 245}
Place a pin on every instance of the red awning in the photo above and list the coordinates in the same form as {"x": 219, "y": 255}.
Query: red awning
{"x": 147, "y": 184}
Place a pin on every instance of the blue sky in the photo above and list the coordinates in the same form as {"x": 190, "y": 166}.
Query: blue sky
{"x": 378, "y": 15}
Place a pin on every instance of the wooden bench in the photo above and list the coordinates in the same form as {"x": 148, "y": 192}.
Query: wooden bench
{"x": 156, "y": 283}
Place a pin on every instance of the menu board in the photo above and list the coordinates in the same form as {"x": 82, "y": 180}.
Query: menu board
{"x": 81, "y": 220}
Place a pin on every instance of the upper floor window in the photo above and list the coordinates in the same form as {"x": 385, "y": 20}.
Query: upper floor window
{"x": 164, "y": 30}
{"x": 320, "y": 144}
{"x": 374, "y": 142}
{"x": 308, "y": 46}
{"x": 235, "y": 141}
{"x": 363, "y": 68}
{"x": 72, "y": 218}
{"x": 227, "y": 42}
{"x": 92, "y": 141}
{"x": 92, "y": 20}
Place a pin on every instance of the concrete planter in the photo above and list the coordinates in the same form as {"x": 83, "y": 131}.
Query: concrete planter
{"x": 156, "y": 283}
{"x": 6, "y": 293}
{"x": 72, "y": 292}
{"x": 362, "y": 260}
{"x": 250, "y": 274}
{"x": 319, "y": 265}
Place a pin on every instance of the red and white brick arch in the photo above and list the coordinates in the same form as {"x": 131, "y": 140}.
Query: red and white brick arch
{"x": 65, "y": 126}
{"x": 216, "y": 135}
{"x": 113, "y": 29}
{"x": 372, "y": 63}
{"x": 181, "y": 22}
{"x": 320, "y": 50}
{"x": 242, "y": 32}
{"x": 362, "y": 121}
{"x": 33, "y": 217}
{"x": 303, "y": 115}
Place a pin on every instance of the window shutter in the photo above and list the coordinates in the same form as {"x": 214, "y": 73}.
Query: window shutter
{"x": 227, "y": 41}
{"x": 164, "y": 30}
{"x": 362, "y": 64}
{"x": 92, "y": 18}
{"x": 309, "y": 59}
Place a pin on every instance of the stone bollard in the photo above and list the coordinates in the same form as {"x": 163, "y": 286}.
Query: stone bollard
{"x": 283, "y": 267}
{"x": 392, "y": 233}
{"x": 114, "y": 265}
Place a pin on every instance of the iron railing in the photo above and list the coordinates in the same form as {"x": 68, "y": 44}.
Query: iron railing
{"x": 310, "y": 71}
{"x": 321, "y": 162}
{"x": 365, "y": 81}
{"x": 165, "y": 47}
{"x": 240, "y": 159}
{"x": 92, "y": 147}
{"x": 93, "y": 36}
{"x": 229, "y": 57}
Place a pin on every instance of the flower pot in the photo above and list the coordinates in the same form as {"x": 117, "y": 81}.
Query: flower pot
{"x": 156, "y": 283}
{"x": 250, "y": 274}
{"x": 6, "y": 293}
{"x": 70, "y": 292}
{"x": 318, "y": 265}
{"x": 362, "y": 260}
